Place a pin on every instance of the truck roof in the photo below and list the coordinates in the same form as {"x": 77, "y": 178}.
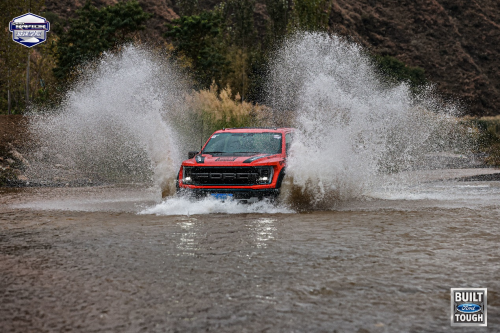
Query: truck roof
{"x": 256, "y": 129}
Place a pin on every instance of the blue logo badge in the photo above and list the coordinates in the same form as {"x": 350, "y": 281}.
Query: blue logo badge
{"x": 29, "y": 29}
{"x": 469, "y": 308}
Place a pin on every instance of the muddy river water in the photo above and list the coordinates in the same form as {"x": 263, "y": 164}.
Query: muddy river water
{"x": 116, "y": 259}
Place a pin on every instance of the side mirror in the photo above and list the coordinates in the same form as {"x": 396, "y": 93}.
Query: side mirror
{"x": 192, "y": 154}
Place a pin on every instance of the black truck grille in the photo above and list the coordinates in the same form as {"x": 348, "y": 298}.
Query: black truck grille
{"x": 226, "y": 175}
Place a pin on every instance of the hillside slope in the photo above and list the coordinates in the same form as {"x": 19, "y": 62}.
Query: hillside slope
{"x": 457, "y": 42}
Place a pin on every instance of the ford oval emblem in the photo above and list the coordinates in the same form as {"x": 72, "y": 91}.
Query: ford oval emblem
{"x": 468, "y": 308}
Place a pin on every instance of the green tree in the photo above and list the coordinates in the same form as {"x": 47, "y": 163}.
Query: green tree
{"x": 239, "y": 23}
{"x": 239, "y": 31}
{"x": 187, "y": 7}
{"x": 196, "y": 38}
{"x": 14, "y": 58}
{"x": 397, "y": 71}
{"x": 311, "y": 14}
{"x": 95, "y": 31}
{"x": 279, "y": 14}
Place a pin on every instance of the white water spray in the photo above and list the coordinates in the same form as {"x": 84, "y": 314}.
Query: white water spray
{"x": 116, "y": 123}
{"x": 184, "y": 206}
{"x": 352, "y": 126}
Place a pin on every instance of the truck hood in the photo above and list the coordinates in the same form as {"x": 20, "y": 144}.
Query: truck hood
{"x": 216, "y": 160}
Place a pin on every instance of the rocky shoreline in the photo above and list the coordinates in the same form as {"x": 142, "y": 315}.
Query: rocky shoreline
{"x": 14, "y": 135}
{"x": 12, "y": 165}
{"x": 14, "y": 138}
{"x": 12, "y": 174}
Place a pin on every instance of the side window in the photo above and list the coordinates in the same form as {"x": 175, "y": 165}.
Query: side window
{"x": 288, "y": 142}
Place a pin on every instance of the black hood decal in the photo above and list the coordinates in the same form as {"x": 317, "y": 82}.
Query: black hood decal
{"x": 226, "y": 159}
{"x": 254, "y": 158}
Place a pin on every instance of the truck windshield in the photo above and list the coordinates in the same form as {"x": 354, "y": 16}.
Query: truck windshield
{"x": 244, "y": 143}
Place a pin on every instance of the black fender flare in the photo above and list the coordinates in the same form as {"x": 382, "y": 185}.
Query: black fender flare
{"x": 280, "y": 178}
{"x": 177, "y": 187}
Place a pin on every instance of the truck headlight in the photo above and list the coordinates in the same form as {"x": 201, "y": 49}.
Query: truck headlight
{"x": 186, "y": 175}
{"x": 265, "y": 175}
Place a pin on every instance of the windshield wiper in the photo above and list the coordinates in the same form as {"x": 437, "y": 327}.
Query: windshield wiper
{"x": 248, "y": 152}
{"x": 213, "y": 152}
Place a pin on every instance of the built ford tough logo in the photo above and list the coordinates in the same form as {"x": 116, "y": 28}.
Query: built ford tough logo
{"x": 29, "y": 29}
{"x": 468, "y": 307}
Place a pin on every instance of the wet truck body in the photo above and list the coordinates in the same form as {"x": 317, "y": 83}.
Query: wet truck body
{"x": 246, "y": 164}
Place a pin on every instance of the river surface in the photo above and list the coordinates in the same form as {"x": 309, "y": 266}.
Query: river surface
{"x": 117, "y": 259}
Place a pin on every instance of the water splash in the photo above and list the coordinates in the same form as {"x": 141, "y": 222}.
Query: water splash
{"x": 117, "y": 123}
{"x": 353, "y": 127}
{"x": 125, "y": 120}
{"x": 184, "y": 206}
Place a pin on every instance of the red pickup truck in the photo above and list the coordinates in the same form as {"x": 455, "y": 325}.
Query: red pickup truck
{"x": 245, "y": 164}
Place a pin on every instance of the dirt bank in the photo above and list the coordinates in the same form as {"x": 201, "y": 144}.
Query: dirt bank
{"x": 13, "y": 131}
{"x": 14, "y": 136}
